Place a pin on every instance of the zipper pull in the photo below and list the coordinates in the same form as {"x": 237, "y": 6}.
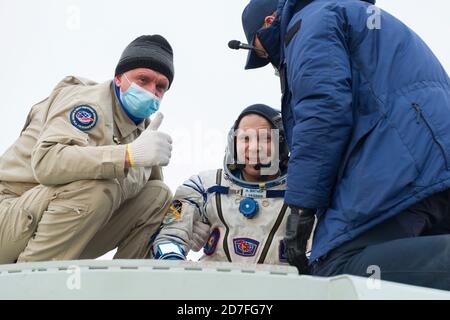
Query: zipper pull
{"x": 416, "y": 107}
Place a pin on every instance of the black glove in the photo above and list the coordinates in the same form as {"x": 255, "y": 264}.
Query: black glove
{"x": 299, "y": 227}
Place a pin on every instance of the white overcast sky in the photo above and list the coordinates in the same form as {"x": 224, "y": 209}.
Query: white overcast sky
{"x": 43, "y": 41}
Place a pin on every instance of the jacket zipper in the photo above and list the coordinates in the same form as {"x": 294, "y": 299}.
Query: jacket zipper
{"x": 220, "y": 213}
{"x": 420, "y": 115}
{"x": 272, "y": 233}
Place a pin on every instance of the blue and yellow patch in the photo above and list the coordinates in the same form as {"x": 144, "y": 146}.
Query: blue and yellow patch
{"x": 173, "y": 213}
{"x": 211, "y": 245}
{"x": 245, "y": 247}
{"x": 84, "y": 117}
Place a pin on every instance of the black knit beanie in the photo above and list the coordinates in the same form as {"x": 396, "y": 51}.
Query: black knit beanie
{"x": 152, "y": 52}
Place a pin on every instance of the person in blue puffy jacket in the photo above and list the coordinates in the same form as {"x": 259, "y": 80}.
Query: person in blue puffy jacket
{"x": 366, "y": 109}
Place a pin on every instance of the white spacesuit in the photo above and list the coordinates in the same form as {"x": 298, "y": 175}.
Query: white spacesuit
{"x": 246, "y": 220}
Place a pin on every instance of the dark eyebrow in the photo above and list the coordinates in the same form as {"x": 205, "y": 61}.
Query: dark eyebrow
{"x": 163, "y": 82}
{"x": 142, "y": 75}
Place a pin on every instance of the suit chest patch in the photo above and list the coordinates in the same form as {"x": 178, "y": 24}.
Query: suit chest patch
{"x": 245, "y": 247}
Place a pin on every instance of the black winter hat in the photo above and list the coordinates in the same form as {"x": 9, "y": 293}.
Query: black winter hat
{"x": 148, "y": 51}
{"x": 270, "y": 114}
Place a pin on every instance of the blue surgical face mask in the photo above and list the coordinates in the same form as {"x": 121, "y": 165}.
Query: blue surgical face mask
{"x": 139, "y": 102}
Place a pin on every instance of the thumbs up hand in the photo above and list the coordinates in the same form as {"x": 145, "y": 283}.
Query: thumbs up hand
{"x": 151, "y": 148}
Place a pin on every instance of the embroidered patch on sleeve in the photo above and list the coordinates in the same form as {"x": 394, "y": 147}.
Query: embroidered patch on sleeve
{"x": 84, "y": 117}
{"x": 211, "y": 245}
{"x": 173, "y": 213}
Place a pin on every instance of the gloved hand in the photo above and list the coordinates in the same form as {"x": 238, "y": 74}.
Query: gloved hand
{"x": 200, "y": 233}
{"x": 169, "y": 251}
{"x": 299, "y": 227}
{"x": 151, "y": 148}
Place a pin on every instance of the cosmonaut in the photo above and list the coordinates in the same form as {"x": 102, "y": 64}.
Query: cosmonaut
{"x": 242, "y": 203}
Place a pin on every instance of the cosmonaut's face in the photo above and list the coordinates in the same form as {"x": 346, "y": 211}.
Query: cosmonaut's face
{"x": 253, "y": 144}
{"x": 148, "y": 79}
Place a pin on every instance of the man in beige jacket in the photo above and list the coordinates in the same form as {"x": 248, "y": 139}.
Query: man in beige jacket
{"x": 84, "y": 176}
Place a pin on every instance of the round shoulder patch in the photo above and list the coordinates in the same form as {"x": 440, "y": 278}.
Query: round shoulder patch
{"x": 83, "y": 117}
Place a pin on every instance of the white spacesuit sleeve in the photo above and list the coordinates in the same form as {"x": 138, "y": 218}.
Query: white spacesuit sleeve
{"x": 181, "y": 222}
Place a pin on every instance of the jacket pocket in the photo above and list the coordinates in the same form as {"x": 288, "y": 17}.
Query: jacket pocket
{"x": 422, "y": 117}
{"x": 17, "y": 223}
